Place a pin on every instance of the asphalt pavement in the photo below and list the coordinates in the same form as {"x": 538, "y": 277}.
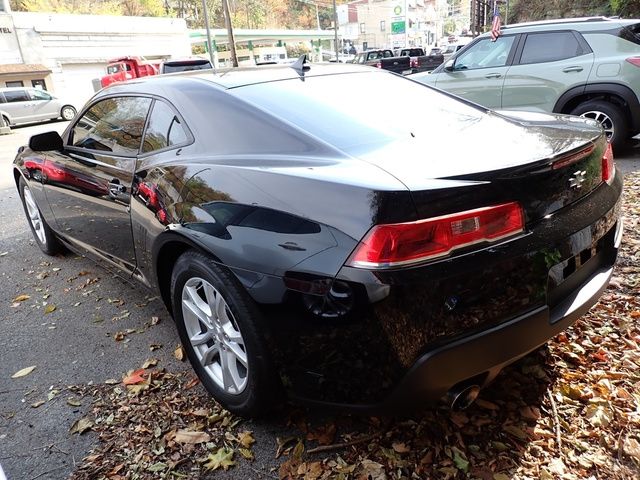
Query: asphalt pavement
{"x": 74, "y": 343}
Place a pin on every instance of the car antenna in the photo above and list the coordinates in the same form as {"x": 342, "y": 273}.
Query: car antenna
{"x": 300, "y": 65}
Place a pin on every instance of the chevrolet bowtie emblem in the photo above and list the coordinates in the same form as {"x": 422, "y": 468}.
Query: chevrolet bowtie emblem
{"x": 577, "y": 179}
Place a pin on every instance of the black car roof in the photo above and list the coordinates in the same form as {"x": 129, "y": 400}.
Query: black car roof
{"x": 233, "y": 77}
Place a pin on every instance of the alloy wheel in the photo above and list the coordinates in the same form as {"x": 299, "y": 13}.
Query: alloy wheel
{"x": 214, "y": 335}
{"x": 34, "y": 216}
{"x": 603, "y": 119}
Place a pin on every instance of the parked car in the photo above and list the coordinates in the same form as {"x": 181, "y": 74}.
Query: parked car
{"x": 385, "y": 60}
{"x": 24, "y": 105}
{"x": 303, "y": 241}
{"x": 588, "y": 67}
{"x": 420, "y": 61}
{"x": 452, "y": 48}
{"x": 184, "y": 65}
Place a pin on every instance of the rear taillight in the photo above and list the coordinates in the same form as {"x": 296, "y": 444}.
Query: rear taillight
{"x": 397, "y": 244}
{"x": 379, "y": 65}
{"x": 414, "y": 63}
{"x": 608, "y": 165}
{"x": 634, "y": 61}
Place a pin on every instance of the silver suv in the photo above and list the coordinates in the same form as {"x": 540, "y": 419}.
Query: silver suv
{"x": 25, "y": 105}
{"x": 582, "y": 66}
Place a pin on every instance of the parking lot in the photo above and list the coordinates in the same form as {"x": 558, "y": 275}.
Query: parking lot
{"x": 80, "y": 326}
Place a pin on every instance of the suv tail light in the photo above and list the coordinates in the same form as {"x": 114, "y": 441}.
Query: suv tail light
{"x": 634, "y": 61}
{"x": 379, "y": 65}
{"x": 414, "y": 63}
{"x": 608, "y": 165}
{"x": 397, "y": 244}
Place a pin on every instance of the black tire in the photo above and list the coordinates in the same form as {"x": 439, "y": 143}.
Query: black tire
{"x": 261, "y": 390}
{"x": 68, "y": 112}
{"x": 42, "y": 233}
{"x": 619, "y": 121}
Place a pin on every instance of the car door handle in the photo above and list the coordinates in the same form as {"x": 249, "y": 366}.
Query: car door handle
{"x": 572, "y": 69}
{"x": 116, "y": 189}
{"x": 493, "y": 75}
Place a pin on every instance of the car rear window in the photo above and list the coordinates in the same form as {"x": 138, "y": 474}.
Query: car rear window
{"x": 550, "y": 47}
{"x": 631, "y": 33}
{"x": 16, "y": 96}
{"x": 183, "y": 66}
{"x": 338, "y": 108}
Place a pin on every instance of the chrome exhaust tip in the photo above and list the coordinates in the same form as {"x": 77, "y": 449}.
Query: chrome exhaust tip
{"x": 460, "y": 398}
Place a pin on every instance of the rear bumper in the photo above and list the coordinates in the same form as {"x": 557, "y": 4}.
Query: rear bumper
{"x": 482, "y": 355}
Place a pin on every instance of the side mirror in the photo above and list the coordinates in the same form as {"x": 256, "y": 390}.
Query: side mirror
{"x": 448, "y": 66}
{"x": 45, "y": 142}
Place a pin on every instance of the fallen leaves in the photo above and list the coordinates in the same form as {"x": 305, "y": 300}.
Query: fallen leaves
{"x": 81, "y": 426}
{"x": 134, "y": 377}
{"x": 223, "y": 458}
{"x": 21, "y": 298}
{"x": 191, "y": 436}
{"x": 179, "y": 353}
{"x": 23, "y": 372}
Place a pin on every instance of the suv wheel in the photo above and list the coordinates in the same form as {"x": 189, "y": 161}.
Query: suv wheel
{"x": 610, "y": 116}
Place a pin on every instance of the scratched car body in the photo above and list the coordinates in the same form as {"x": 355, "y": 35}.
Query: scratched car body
{"x": 345, "y": 252}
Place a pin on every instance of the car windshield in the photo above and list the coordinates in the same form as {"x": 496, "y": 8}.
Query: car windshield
{"x": 338, "y": 110}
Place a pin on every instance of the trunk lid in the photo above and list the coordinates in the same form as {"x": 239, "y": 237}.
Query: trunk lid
{"x": 545, "y": 162}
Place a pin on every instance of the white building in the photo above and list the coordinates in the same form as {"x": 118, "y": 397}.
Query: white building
{"x": 390, "y": 23}
{"x": 64, "y": 53}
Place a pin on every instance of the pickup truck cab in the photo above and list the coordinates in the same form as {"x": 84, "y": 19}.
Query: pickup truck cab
{"x": 385, "y": 60}
{"x": 420, "y": 61}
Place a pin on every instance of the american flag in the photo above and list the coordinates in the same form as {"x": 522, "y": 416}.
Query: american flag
{"x": 495, "y": 26}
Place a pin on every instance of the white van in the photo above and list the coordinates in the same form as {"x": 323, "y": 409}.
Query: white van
{"x": 24, "y": 105}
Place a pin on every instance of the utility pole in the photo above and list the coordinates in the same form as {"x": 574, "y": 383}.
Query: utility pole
{"x": 335, "y": 30}
{"x": 317, "y": 17}
{"x": 206, "y": 24}
{"x": 232, "y": 40}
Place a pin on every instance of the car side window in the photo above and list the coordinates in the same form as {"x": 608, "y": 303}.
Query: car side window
{"x": 16, "y": 96}
{"x": 550, "y": 47}
{"x": 388, "y": 54}
{"x": 486, "y": 54}
{"x": 39, "y": 95}
{"x": 113, "y": 125}
{"x": 164, "y": 129}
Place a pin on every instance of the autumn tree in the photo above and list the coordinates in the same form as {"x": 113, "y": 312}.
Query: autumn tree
{"x": 528, "y": 10}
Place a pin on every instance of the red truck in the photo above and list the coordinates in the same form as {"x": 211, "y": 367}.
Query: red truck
{"x": 126, "y": 68}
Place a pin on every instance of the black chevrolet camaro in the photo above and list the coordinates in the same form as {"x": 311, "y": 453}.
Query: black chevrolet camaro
{"x": 336, "y": 233}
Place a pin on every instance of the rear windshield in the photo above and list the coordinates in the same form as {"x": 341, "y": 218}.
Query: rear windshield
{"x": 349, "y": 112}
{"x": 185, "y": 66}
{"x": 631, "y": 33}
{"x": 414, "y": 52}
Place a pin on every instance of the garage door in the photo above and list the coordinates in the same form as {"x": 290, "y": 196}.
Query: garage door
{"x": 75, "y": 81}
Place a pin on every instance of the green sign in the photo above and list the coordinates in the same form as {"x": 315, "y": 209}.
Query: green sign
{"x": 397, "y": 27}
